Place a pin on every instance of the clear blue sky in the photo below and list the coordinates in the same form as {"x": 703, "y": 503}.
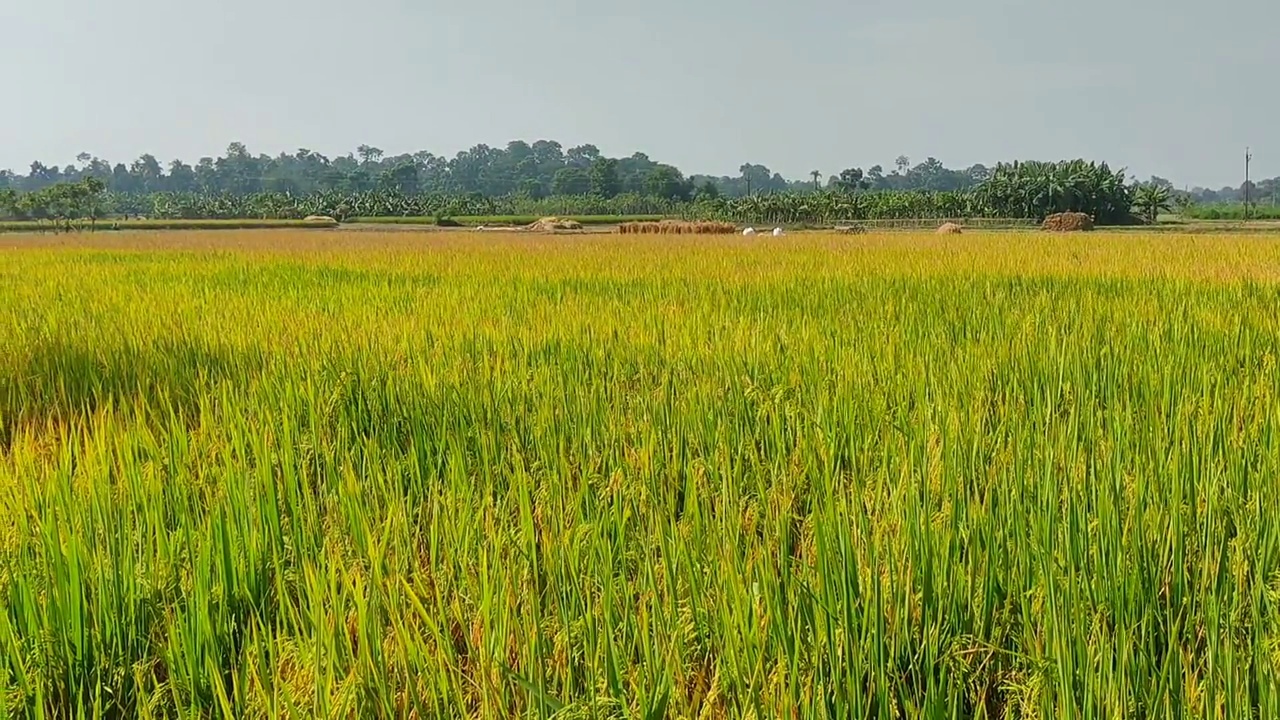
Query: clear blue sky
{"x": 1169, "y": 87}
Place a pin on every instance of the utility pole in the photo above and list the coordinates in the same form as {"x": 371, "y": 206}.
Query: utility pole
{"x": 1247, "y": 157}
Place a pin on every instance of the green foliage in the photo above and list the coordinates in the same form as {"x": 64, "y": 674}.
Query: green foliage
{"x": 666, "y": 182}
{"x": 603, "y": 178}
{"x": 850, "y": 180}
{"x": 571, "y": 181}
{"x": 389, "y": 204}
{"x": 1230, "y": 211}
{"x": 23, "y": 226}
{"x": 1038, "y": 189}
{"x": 474, "y": 220}
{"x": 1150, "y": 200}
{"x": 1020, "y": 190}
{"x": 62, "y": 205}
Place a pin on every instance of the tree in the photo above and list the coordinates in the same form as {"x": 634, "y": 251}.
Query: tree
{"x": 33, "y": 206}
{"x": 931, "y": 175}
{"x": 978, "y": 173}
{"x": 548, "y": 152}
{"x": 851, "y": 180}
{"x": 148, "y": 173}
{"x": 182, "y": 178}
{"x": 604, "y": 177}
{"x": 757, "y": 176}
{"x": 666, "y": 182}
{"x": 94, "y": 189}
{"x": 41, "y": 175}
{"x": 570, "y": 181}
{"x": 1184, "y": 202}
{"x": 122, "y": 181}
{"x": 902, "y": 162}
{"x": 531, "y": 188}
{"x": 875, "y": 177}
{"x": 817, "y": 177}
{"x": 206, "y": 174}
{"x": 707, "y": 191}
{"x": 8, "y": 203}
{"x": 582, "y": 156}
{"x": 1151, "y": 199}
{"x": 369, "y": 154}
{"x": 402, "y": 178}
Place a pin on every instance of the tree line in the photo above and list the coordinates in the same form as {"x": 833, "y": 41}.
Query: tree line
{"x": 1020, "y": 190}
{"x": 537, "y": 170}
{"x": 1261, "y": 192}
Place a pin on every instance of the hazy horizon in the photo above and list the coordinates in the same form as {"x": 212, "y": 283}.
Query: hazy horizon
{"x": 1169, "y": 89}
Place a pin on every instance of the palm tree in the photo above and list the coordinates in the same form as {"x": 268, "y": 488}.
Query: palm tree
{"x": 817, "y": 176}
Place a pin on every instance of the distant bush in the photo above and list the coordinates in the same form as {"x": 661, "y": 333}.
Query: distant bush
{"x": 473, "y": 220}
{"x": 13, "y": 226}
{"x": 1231, "y": 211}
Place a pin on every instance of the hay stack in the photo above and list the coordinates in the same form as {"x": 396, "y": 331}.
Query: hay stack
{"x": 950, "y": 229}
{"x": 319, "y": 218}
{"x": 1067, "y": 222}
{"x": 551, "y": 224}
{"x": 676, "y": 227}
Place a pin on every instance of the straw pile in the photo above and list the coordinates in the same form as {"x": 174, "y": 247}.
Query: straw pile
{"x": 1068, "y": 222}
{"x": 551, "y": 224}
{"x": 676, "y": 227}
{"x": 949, "y": 229}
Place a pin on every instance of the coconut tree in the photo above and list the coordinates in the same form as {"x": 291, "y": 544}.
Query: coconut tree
{"x": 817, "y": 176}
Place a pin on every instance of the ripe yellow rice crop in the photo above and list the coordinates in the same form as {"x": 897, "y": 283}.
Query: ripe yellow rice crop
{"x": 300, "y": 474}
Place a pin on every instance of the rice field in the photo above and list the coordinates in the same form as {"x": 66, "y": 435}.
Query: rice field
{"x": 346, "y": 475}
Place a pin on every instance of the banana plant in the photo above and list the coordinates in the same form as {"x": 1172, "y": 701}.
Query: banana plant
{"x": 1151, "y": 200}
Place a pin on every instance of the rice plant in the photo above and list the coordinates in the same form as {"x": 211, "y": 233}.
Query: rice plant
{"x": 282, "y": 474}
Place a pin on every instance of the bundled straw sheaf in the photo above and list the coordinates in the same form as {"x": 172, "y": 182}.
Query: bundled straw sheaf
{"x": 677, "y": 227}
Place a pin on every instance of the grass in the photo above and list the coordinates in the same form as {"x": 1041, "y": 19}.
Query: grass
{"x": 889, "y": 475}
{"x": 474, "y": 220}
{"x": 26, "y": 226}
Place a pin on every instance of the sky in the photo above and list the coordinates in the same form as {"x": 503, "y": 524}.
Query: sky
{"x": 1167, "y": 87}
